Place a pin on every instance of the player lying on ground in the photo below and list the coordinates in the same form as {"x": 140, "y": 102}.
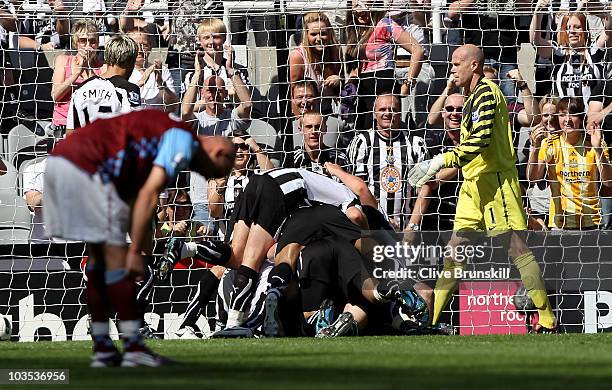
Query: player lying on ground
{"x": 102, "y": 182}
{"x": 490, "y": 197}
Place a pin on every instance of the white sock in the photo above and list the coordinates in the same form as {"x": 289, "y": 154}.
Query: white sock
{"x": 129, "y": 328}
{"x": 99, "y": 328}
{"x": 189, "y": 249}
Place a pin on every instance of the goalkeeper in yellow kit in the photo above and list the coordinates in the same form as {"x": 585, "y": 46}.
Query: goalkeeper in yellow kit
{"x": 490, "y": 196}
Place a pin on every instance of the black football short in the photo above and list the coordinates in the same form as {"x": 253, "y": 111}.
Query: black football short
{"x": 330, "y": 269}
{"x": 262, "y": 202}
{"x": 311, "y": 223}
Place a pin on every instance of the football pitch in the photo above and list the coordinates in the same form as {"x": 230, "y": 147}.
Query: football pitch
{"x": 426, "y": 362}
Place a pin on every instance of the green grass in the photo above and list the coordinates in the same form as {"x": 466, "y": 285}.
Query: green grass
{"x": 427, "y": 362}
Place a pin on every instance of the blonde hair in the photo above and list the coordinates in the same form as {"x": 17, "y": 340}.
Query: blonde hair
{"x": 490, "y": 69}
{"x": 328, "y": 64}
{"x": 82, "y": 26}
{"x": 214, "y": 25}
{"x": 121, "y": 50}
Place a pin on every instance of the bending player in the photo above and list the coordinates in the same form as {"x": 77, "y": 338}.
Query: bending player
{"x": 490, "y": 196}
{"x": 103, "y": 182}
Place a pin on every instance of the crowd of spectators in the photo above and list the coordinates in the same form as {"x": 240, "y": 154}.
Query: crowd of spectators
{"x": 360, "y": 71}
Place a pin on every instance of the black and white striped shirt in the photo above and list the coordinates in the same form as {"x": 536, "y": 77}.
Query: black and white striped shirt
{"x": 234, "y": 187}
{"x": 575, "y": 75}
{"x": 302, "y": 186}
{"x": 383, "y": 163}
{"x": 98, "y": 96}
{"x": 301, "y": 159}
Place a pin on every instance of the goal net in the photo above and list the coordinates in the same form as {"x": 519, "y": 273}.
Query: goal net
{"x": 275, "y": 46}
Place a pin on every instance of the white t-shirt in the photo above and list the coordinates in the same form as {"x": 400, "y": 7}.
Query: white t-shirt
{"x": 223, "y": 124}
{"x": 150, "y": 97}
{"x": 33, "y": 181}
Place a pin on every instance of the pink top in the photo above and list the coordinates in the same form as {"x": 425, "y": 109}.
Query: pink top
{"x": 310, "y": 72}
{"x": 380, "y": 50}
{"x": 60, "y": 110}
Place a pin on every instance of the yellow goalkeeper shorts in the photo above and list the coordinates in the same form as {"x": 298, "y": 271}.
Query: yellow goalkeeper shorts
{"x": 491, "y": 203}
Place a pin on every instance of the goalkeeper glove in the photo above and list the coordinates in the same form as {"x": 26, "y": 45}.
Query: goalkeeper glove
{"x": 422, "y": 172}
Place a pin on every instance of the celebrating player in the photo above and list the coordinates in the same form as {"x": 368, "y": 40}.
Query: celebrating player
{"x": 103, "y": 182}
{"x": 490, "y": 197}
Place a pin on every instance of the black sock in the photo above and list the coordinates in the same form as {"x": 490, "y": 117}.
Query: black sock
{"x": 280, "y": 276}
{"x": 213, "y": 252}
{"x": 206, "y": 289}
{"x": 244, "y": 288}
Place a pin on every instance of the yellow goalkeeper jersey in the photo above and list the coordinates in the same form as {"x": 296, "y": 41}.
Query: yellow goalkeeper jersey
{"x": 486, "y": 137}
{"x": 573, "y": 174}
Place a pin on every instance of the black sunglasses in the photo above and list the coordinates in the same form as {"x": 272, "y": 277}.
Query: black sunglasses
{"x": 453, "y": 109}
{"x": 242, "y": 146}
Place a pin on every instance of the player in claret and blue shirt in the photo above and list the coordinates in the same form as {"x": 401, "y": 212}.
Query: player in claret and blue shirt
{"x": 103, "y": 182}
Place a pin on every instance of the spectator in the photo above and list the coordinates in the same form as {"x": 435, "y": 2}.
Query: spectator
{"x": 600, "y": 107}
{"x": 155, "y": 82}
{"x": 578, "y": 63}
{"x": 494, "y": 26}
{"x": 370, "y": 56}
{"x": 314, "y": 153}
{"x": 33, "y": 189}
{"x": 213, "y": 118}
{"x": 41, "y": 32}
{"x": 33, "y": 192}
{"x": 318, "y": 58}
{"x": 444, "y": 191}
{"x": 210, "y": 111}
{"x": 222, "y": 193}
{"x": 264, "y": 27}
{"x": 576, "y": 161}
{"x": 411, "y": 15}
{"x": 180, "y": 32}
{"x": 538, "y": 195}
{"x": 110, "y": 92}
{"x": 304, "y": 97}
{"x": 383, "y": 156}
{"x": 178, "y": 214}
{"x": 8, "y": 89}
{"x": 71, "y": 70}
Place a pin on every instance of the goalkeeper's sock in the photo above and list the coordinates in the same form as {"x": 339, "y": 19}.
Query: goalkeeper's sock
{"x": 531, "y": 275}
{"x": 122, "y": 293}
{"x": 244, "y": 288}
{"x": 279, "y": 277}
{"x": 445, "y": 287}
{"x": 206, "y": 288}
{"x": 211, "y": 251}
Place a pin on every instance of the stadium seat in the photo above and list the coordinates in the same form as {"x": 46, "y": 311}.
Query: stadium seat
{"x": 330, "y": 138}
{"x": 14, "y": 212}
{"x": 264, "y": 133}
{"x": 21, "y": 139}
{"x": 8, "y": 181}
{"x": 22, "y": 169}
{"x": 266, "y": 136}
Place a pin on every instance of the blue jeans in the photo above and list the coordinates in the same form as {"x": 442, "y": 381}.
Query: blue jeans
{"x": 506, "y": 84}
{"x": 606, "y": 213}
{"x": 202, "y": 214}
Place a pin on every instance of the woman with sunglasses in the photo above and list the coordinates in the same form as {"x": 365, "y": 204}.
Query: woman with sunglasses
{"x": 223, "y": 193}
{"x": 71, "y": 70}
{"x": 577, "y": 161}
